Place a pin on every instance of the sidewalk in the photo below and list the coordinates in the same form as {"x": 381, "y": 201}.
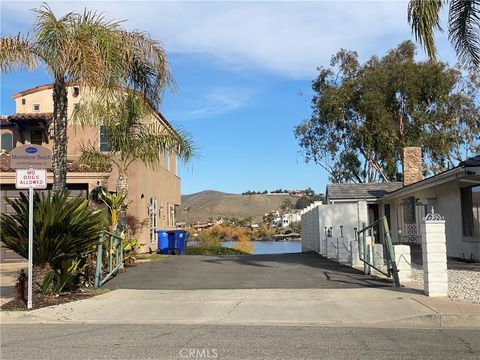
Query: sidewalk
{"x": 365, "y": 307}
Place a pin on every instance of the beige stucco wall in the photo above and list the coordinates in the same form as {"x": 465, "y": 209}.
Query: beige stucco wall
{"x": 160, "y": 183}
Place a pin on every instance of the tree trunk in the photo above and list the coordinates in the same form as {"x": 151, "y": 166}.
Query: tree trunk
{"x": 122, "y": 183}
{"x": 122, "y": 187}
{"x": 60, "y": 103}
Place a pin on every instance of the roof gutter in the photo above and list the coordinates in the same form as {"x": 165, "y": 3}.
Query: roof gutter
{"x": 426, "y": 183}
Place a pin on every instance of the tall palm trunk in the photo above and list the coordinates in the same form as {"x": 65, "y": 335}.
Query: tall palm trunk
{"x": 60, "y": 102}
{"x": 122, "y": 183}
{"x": 122, "y": 188}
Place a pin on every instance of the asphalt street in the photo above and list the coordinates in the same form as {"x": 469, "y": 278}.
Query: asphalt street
{"x": 232, "y": 342}
{"x": 272, "y": 271}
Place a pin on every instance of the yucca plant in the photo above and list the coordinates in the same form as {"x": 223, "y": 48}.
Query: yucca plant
{"x": 115, "y": 204}
{"x": 63, "y": 228}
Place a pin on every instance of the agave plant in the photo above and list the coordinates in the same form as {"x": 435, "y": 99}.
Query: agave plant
{"x": 63, "y": 228}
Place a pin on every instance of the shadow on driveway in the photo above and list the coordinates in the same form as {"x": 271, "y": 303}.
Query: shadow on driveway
{"x": 275, "y": 271}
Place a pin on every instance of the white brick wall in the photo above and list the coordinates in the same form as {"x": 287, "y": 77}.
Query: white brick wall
{"x": 434, "y": 255}
{"x": 404, "y": 260}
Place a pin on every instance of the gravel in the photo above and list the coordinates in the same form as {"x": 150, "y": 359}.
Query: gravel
{"x": 463, "y": 285}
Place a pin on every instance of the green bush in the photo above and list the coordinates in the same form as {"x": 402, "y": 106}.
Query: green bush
{"x": 213, "y": 250}
{"x": 63, "y": 228}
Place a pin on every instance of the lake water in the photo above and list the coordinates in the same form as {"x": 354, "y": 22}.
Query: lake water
{"x": 272, "y": 247}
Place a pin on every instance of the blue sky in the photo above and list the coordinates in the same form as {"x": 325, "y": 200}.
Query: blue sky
{"x": 243, "y": 71}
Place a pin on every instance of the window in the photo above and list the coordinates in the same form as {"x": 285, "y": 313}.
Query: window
{"x": 167, "y": 159}
{"x": 104, "y": 144}
{"x": 470, "y": 199}
{"x": 76, "y": 91}
{"x": 24, "y": 101}
{"x": 36, "y": 137}
{"x": 36, "y": 107}
{"x": 7, "y": 141}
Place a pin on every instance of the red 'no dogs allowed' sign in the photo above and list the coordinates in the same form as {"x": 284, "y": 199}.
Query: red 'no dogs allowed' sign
{"x": 31, "y": 178}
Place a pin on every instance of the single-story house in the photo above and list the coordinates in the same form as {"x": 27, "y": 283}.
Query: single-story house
{"x": 454, "y": 194}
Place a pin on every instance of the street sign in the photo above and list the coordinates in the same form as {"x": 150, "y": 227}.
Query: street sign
{"x": 30, "y": 156}
{"x": 31, "y": 178}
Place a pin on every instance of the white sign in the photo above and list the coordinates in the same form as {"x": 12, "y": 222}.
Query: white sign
{"x": 31, "y": 178}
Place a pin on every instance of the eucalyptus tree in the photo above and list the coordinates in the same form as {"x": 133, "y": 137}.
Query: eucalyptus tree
{"x": 89, "y": 50}
{"x": 463, "y": 26}
{"x": 364, "y": 114}
{"x": 131, "y": 132}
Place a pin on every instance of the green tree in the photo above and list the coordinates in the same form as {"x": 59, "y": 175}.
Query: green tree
{"x": 86, "y": 49}
{"x": 463, "y": 26}
{"x": 268, "y": 219}
{"x": 287, "y": 205}
{"x": 130, "y": 137}
{"x": 365, "y": 114}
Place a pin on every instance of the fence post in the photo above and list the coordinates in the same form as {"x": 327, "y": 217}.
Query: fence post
{"x": 391, "y": 263}
{"x": 98, "y": 270}
{"x": 434, "y": 255}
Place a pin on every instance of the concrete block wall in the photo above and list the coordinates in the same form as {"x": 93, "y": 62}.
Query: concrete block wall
{"x": 434, "y": 255}
{"x": 343, "y": 251}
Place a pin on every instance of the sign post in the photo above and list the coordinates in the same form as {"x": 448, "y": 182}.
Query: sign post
{"x": 30, "y": 179}
{"x": 24, "y": 158}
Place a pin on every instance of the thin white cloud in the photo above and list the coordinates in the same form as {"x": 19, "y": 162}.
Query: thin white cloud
{"x": 215, "y": 102}
{"x": 290, "y": 38}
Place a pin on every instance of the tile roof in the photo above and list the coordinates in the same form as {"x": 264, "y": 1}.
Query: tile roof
{"x": 30, "y": 116}
{"x": 361, "y": 191}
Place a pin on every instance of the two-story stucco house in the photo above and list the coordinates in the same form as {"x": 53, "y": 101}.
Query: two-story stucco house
{"x": 152, "y": 194}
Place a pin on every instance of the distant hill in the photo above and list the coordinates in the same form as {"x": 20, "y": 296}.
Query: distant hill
{"x": 203, "y": 205}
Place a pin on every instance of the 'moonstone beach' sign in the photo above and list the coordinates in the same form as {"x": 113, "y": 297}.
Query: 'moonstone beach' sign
{"x": 30, "y": 156}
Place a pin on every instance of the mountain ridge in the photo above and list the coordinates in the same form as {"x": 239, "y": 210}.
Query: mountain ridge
{"x": 213, "y": 204}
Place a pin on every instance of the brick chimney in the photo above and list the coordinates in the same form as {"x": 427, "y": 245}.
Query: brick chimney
{"x": 412, "y": 165}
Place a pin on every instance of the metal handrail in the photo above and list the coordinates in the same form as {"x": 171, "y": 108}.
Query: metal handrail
{"x": 392, "y": 270}
{"x": 115, "y": 242}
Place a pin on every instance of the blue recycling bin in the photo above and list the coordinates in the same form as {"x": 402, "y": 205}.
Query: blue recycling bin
{"x": 176, "y": 242}
{"x": 163, "y": 244}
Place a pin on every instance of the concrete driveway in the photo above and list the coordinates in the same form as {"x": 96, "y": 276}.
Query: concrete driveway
{"x": 276, "y": 271}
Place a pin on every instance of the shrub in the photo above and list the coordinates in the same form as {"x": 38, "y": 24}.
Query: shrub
{"x": 213, "y": 250}
{"x": 21, "y": 287}
{"x": 130, "y": 251}
{"x": 63, "y": 228}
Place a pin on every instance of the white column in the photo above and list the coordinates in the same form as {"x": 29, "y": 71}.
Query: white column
{"x": 434, "y": 255}
{"x": 331, "y": 247}
{"x": 403, "y": 260}
{"x": 343, "y": 251}
{"x": 377, "y": 259}
{"x": 355, "y": 255}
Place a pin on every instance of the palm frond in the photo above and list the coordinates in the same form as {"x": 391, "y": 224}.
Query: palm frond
{"x": 17, "y": 52}
{"x": 464, "y": 30}
{"x": 146, "y": 66}
{"x": 423, "y": 16}
{"x": 93, "y": 158}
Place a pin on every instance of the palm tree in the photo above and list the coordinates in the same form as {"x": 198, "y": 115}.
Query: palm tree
{"x": 130, "y": 137}
{"x": 89, "y": 50}
{"x": 463, "y": 26}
